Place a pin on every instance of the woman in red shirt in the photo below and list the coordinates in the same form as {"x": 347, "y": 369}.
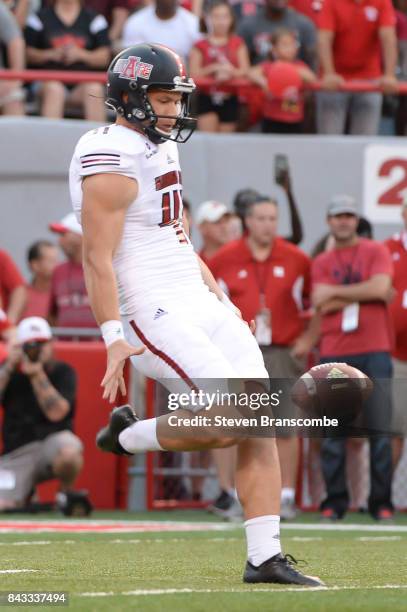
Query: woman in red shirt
{"x": 283, "y": 82}
{"x": 222, "y": 56}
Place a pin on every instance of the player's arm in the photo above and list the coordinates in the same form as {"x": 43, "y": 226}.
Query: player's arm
{"x": 106, "y": 198}
{"x": 210, "y": 281}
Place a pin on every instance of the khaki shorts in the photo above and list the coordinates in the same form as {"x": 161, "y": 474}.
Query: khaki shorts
{"x": 31, "y": 464}
{"x": 399, "y": 420}
{"x": 280, "y": 364}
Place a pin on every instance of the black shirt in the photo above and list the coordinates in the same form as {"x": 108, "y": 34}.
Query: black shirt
{"x": 24, "y": 421}
{"x": 45, "y": 30}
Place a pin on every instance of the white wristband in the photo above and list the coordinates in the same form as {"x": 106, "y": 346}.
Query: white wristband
{"x": 111, "y": 332}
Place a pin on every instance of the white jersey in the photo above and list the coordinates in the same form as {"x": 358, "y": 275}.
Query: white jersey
{"x": 155, "y": 258}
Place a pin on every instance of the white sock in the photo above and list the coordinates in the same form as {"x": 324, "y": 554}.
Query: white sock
{"x": 140, "y": 436}
{"x": 263, "y": 538}
{"x": 287, "y": 495}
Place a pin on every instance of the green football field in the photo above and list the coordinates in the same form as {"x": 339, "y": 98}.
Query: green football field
{"x": 199, "y": 567}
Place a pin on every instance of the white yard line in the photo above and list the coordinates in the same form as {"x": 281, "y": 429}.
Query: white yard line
{"x": 342, "y": 527}
{"x": 256, "y": 590}
{"x": 17, "y": 571}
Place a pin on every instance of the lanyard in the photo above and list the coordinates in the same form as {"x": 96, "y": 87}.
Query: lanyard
{"x": 262, "y": 279}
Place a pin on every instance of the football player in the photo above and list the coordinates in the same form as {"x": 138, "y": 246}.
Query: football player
{"x": 155, "y": 300}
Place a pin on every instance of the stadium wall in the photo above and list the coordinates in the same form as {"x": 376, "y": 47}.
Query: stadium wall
{"x": 35, "y": 155}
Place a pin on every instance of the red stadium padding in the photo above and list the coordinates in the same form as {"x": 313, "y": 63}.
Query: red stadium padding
{"x": 66, "y": 76}
{"x": 103, "y": 475}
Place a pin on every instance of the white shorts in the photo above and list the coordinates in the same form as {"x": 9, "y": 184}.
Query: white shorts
{"x": 191, "y": 341}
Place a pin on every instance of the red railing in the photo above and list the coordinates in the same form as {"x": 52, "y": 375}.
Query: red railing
{"x": 66, "y": 76}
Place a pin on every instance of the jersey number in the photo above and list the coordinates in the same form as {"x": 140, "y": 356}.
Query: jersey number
{"x": 171, "y": 203}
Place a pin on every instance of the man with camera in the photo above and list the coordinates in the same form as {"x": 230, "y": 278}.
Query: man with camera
{"x": 38, "y": 396}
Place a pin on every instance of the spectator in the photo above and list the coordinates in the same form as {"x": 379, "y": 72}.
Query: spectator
{"x": 116, "y": 12}
{"x": 11, "y": 92}
{"x": 68, "y": 36}
{"x": 397, "y": 246}
{"x": 13, "y": 294}
{"x": 327, "y": 242}
{"x": 234, "y": 228}
{"x": 69, "y": 302}
{"x": 42, "y": 258}
{"x": 220, "y": 55}
{"x": 245, "y": 197}
{"x": 268, "y": 278}
{"x": 257, "y": 31}
{"x": 241, "y": 8}
{"x": 351, "y": 285}
{"x": 38, "y": 396}
{"x": 353, "y": 40}
{"x": 309, "y": 8}
{"x": 212, "y": 219}
{"x": 20, "y": 10}
{"x": 165, "y": 23}
{"x": 282, "y": 81}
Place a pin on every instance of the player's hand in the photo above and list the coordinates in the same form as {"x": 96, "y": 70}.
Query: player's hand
{"x": 117, "y": 353}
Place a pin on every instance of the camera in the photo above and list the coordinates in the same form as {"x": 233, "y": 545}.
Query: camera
{"x": 33, "y": 350}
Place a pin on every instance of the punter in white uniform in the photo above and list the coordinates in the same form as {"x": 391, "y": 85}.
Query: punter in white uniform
{"x": 155, "y": 300}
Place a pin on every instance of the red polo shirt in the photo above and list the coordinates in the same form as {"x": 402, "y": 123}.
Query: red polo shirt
{"x": 348, "y": 266}
{"x": 356, "y": 46}
{"x": 284, "y": 278}
{"x": 69, "y": 301}
{"x": 397, "y": 246}
{"x": 10, "y": 279}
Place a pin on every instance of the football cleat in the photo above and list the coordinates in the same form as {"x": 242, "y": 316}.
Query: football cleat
{"x": 107, "y": 438}
{"x": 280, "y": 570}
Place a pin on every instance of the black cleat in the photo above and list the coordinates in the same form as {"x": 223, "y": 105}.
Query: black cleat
{"x": 107, "y": 438}
{"x": 279, "y": 569}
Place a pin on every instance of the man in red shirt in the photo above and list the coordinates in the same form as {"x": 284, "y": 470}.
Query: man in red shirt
{"x": 351, "y": 286}
{"x": 397, "y": 246}
{"x": 69, "y": 302}
{"x": 357, "y": 42}
{"x": 268, "y": 279}
{"x": 12, "y": 288}
{"x": 42, "y": 258}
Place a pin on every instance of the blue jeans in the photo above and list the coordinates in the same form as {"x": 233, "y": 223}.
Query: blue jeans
{"x": 377, "y": 419}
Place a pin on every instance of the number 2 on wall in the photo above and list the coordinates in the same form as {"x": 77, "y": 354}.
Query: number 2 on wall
{"x": 394, "y": 195}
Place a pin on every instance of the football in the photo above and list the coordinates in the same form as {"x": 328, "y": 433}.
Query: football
{"x": 334, "y": 390}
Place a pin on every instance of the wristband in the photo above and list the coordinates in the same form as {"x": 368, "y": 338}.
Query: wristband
{"x": 111, "y": 332}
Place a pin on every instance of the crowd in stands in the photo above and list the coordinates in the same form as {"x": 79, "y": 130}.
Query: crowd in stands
{"x": 279, "y": 46}
{"x": 324, "y": 308}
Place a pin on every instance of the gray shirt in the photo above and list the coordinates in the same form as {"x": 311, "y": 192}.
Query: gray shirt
{"x": 8, "y": 27}
{"x": 257, "y": 30}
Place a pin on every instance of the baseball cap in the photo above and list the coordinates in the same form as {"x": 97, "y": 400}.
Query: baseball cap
{"x": 33, "y": 329}
{"x": 342, "y": 204}
{"x": 68, "y": 223}
{"x": 211, "y": 211}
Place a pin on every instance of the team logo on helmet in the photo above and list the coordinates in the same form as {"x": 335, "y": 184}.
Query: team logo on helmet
{"x": 132, "y": 68}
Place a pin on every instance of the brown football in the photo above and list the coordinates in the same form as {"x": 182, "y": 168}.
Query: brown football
{"x": 336, "y": 390}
